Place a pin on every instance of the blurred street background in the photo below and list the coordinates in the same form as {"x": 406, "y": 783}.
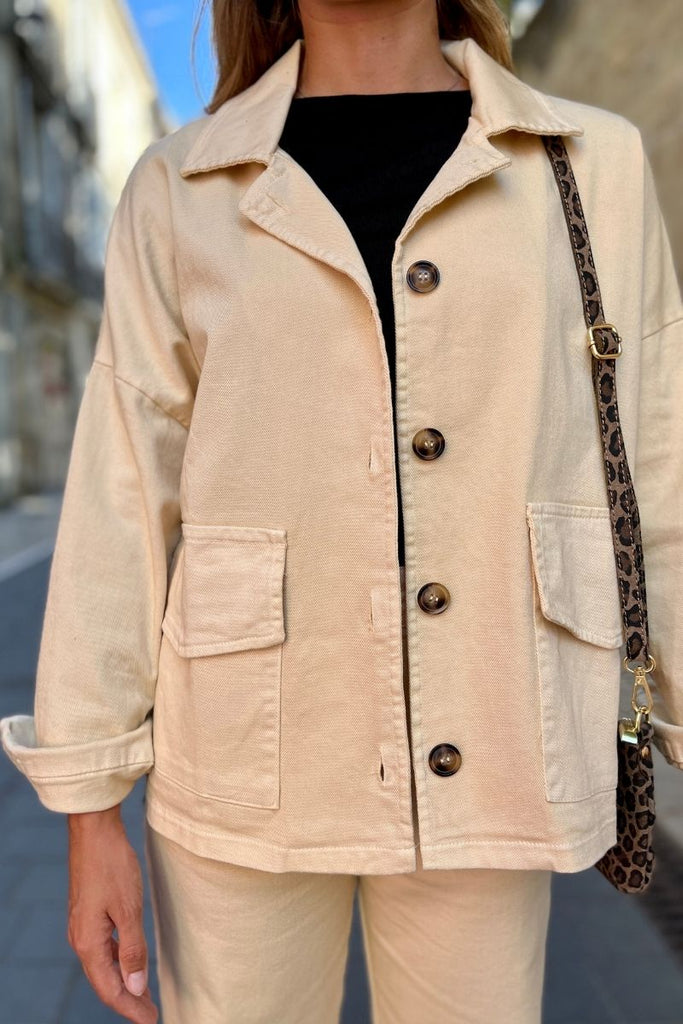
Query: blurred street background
{"x": 86, "y": 85}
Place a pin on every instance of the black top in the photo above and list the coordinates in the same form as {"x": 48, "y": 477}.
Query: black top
{"x": 373, "y": 155}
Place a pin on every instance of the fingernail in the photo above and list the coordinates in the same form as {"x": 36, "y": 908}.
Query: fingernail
{"x": 136, "y": 983}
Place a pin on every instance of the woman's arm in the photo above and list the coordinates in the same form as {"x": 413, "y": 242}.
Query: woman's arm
{"x": 90, "y": 737}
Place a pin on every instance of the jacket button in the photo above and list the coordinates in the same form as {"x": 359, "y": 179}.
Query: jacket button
{"x": 433, "y": 598}
{"x": 445, "y": 759}
{"x": 428, "y": 443}
{"x": 423, "y": 276}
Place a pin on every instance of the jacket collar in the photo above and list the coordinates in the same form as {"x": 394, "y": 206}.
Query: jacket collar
{"x": 248, "y": 126}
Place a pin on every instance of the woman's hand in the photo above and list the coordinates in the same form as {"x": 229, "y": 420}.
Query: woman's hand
{"x": 105, "y": 891}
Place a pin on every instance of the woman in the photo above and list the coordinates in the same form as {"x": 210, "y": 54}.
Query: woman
{"x": 336, "y": 527}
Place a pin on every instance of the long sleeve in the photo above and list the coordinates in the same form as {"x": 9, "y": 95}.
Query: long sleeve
{"x": 658, "y": 474}
{"x": 90, "y": 736}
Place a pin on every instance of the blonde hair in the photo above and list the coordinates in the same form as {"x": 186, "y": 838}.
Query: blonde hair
{"x": 249, "y": 35}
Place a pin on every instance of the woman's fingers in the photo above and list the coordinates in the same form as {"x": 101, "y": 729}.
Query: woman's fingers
{"x": 104, "y": 975}
{"x": 132, "y": 950}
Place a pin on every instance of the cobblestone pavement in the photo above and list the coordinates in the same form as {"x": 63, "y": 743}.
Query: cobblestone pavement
{"x": 611, "y": 958}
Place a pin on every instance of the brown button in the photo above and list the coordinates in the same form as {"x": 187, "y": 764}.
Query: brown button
{"x": 423, "y": 276}
{"x": 428, "y": 443}
{"x": 433, "y": 598}
{"x": 445, "y": 759}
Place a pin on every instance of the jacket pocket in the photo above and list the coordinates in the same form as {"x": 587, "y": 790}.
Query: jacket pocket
{"x": 217, "y": 713}
{"x": 579, "y": 634}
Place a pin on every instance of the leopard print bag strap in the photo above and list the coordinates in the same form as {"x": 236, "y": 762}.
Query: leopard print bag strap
{"x": 629, "y": 864}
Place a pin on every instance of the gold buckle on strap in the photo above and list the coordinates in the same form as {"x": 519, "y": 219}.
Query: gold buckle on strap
{"x": 604, "y": 355}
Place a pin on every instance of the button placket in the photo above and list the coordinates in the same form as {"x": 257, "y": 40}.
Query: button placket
{"x": 428, "y": 444}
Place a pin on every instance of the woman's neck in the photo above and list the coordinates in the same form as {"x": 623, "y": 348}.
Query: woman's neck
{"x": 372, "y": 46}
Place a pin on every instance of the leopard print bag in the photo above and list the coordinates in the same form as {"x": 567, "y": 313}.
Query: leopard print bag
{"x": 629, "y": 864}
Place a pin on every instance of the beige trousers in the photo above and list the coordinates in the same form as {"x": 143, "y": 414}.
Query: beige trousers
{"x": 237, "y": 945}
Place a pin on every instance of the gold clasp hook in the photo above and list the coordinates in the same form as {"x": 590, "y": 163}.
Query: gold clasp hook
{"x": 628, "y": 728}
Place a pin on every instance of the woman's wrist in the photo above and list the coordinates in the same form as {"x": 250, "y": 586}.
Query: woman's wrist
{"x": 95, "y": 819}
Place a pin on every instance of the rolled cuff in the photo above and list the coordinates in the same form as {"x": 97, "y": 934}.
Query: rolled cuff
{"x": 76, "y": 778}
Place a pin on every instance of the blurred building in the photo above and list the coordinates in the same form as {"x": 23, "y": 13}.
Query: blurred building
{"x": 79, "y": 105}
{"x": 625, "y": 56}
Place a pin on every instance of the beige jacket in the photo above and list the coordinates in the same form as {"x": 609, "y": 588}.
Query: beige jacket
{"x": 224, "y": 608}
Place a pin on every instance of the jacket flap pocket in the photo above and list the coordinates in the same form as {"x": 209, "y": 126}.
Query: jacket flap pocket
{"x": 226, "y": 590}
{"x": 575, "y": 569}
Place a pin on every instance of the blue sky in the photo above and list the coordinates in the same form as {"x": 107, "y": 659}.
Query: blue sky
{"x": 165, "y": 28}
